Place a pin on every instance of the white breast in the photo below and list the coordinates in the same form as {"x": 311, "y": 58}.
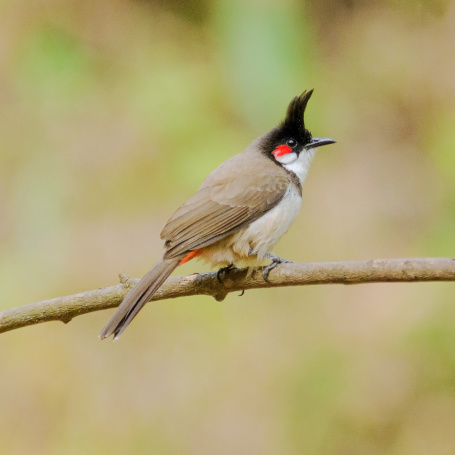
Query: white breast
{"x": 261, "y": 236}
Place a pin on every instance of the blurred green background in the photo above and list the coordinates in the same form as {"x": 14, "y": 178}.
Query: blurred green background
{"x": 112, "y": 113}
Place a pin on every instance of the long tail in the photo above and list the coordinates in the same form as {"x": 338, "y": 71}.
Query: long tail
{"x": 138, "y": 297}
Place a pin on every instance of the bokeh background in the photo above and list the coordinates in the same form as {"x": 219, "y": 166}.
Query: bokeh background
{"x": 112, "y": 113}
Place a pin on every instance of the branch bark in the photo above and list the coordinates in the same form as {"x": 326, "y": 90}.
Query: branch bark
{"x": 351, "y": 272}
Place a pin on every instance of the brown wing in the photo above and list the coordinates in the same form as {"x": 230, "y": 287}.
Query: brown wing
{"x": 233, "y": 195}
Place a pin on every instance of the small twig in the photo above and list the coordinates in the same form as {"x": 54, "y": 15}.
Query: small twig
{"x": 352, "y": 272}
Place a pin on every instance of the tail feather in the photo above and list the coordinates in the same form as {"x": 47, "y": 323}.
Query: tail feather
{"x": 138, "y": 297}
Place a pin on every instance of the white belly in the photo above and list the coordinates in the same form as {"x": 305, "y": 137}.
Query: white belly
{"x": 259, "y": 237}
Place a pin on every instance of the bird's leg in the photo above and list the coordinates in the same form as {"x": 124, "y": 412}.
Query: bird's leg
{"x": 223, "y": 271}
{"x": 275, "y": 261}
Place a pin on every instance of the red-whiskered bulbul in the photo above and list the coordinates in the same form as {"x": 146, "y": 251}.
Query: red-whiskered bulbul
{"x": 239, "y": 213}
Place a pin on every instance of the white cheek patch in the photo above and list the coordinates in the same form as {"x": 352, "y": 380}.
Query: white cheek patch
{"x": 288, "y": 158}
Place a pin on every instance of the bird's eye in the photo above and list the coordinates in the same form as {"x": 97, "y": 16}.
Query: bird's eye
{"x": 291, "y": 143}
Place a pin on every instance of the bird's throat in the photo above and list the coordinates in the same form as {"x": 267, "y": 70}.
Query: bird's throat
{"x": 301, "y": 165}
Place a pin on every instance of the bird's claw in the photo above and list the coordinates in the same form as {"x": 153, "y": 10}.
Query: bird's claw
{"x": 222, "y": 271}
{"x": 275, "y": 261}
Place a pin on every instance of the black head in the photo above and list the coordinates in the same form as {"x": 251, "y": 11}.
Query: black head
{"x": 291, "y": 135}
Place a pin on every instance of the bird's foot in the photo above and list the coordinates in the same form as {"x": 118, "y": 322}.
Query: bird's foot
{"x": 275, "y": 261}
{"x": 223, "y": 271}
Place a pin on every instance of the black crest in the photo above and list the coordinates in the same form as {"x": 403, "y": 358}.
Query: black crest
{"x": 293, "y": 126}
{"x": 294, "y": 120}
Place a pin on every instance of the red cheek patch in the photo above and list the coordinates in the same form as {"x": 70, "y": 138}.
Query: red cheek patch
{"x": 281, "y": 150}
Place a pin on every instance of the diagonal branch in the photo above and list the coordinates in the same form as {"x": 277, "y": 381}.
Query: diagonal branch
{"x": 351, "y": 272}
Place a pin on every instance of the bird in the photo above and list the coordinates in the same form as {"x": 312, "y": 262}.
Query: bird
{"x": 238, "y": 214}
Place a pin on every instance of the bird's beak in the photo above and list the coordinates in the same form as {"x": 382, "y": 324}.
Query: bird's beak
{"x": 318, "y": 142}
